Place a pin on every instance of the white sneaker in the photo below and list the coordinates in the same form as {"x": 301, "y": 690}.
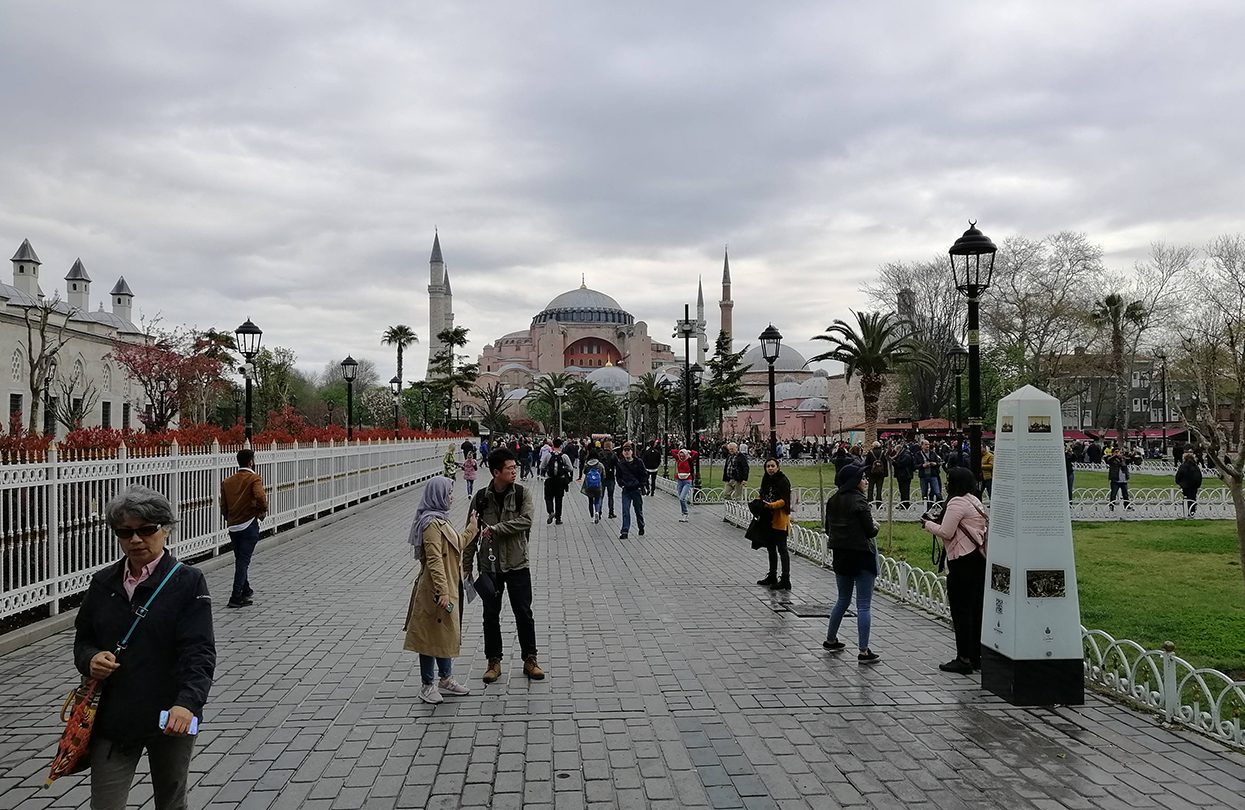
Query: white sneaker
{"x": 430, "y": 694}
{"x": 683, "y": 518}
{"x": 452, "y": 687}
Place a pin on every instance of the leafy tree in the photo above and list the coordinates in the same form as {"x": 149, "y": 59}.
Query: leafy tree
{"x": 648, "y": 395}
{"x": 723, "y": 389}
{"x": 589, "y": 409}
{"x": 402, "y": 337}
{"x": 876, "y": 346}
{"x": 172, "y": 370}
{"x": 417, "y": 403}
{"x": 74, "y": 403}
{"x": 449, "y": 370}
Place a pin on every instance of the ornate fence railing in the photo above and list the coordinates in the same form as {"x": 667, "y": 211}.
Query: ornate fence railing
{"x": 53, "y": 535}
{"x": 1088, "y": 504}
{"x": 1205, "y": 700}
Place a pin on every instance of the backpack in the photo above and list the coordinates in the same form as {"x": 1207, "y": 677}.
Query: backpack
{"x": 592, "y": 479}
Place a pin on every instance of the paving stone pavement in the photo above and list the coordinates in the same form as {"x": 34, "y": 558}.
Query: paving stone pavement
{"x": 673, "y": 682}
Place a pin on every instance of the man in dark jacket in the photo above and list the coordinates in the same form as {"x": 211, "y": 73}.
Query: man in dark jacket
{"x": 504, "y": 510}
{"x": 632, "y": 477}
{"x": 609, "y": 463}
{"x": 1189, "y": 479}
{"x": 903, "y": 466}
{"x": 734, "y": 473}
{"x": 1118, "y": 475}
{"x": 558, "y": 476}
{"x": 876, "y": 464}
{"x": 167, "y": 666}
{"x": 652, "y": 457}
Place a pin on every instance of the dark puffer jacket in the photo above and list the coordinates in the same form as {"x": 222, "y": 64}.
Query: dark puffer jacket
{"x": 171, "y": 658}
{"x": 850, "y": 527}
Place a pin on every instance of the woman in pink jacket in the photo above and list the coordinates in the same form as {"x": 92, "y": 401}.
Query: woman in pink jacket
{"x": 963, "y": 534}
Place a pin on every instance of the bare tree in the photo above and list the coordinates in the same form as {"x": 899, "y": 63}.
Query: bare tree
{"x": 45, "y": 336}
{"x": 1040, "y": 300}
{"x": 74, "y": 403}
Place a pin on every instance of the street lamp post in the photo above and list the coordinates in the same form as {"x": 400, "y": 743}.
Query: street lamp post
{"x": 1162, "y": 357}
{"x": 972, "y": 265}
{"x": 350, "y": 367}
{"x": 666, "y": 385}
{"x": 771, "y": 344}
{"x": 959, "y": 356}
{"x": 686, "y": 328}
{"x": 395, "y": 388}
{"x": 163, "y": 386}
{"x": 696, "y": 370}
{"x": 248, "y": 337}
{"x": 558, "y": 394}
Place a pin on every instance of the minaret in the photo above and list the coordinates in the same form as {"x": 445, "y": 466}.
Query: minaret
{"x": 78, "y": 287}
{"x": 122, "y": 300}
{"x": 726, "y": 304}
{"x": 438, "y": 300}
{"x": 702, "y": 340}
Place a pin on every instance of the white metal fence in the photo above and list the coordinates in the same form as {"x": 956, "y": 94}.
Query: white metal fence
{"x": 1205, "y": 700}
{"x": 53, "y": 535}
{"x": 1088, "y": 504}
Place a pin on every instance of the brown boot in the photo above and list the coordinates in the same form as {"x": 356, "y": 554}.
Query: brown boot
{"x": 532, "y": 669}
{"x": 494, "y": 670}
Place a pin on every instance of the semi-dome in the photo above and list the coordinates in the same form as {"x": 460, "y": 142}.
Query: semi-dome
{"x": 612, "y": 378}
{"x": 584, "y": 305}
{"x": 816, "y": 386}
{"x": 788, "y": 360}
{"x": 813, "y": 404}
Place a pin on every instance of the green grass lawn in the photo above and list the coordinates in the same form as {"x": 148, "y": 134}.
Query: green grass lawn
{"x": 801, "y": 476}
{"x": 1149, "y": 581}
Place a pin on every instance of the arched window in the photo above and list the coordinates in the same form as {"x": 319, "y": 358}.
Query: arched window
{"x": 17, "y": 365}
{"x": 107, "y": 377}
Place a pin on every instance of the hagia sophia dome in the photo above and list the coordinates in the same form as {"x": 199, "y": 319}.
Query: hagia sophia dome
{"x": 583, "y": 305}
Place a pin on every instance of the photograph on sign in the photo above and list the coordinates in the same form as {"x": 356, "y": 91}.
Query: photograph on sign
{"x": 1005, "y": 424}
{"x": 1001, "y": 578}
{"x": 1046, "y": 584}
{"x": 1039, "y": 424}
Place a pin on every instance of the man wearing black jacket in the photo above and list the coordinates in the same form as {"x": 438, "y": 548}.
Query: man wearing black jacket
{"x": 167, "y": 666}
{"x": 734, "y": 474}
{"x": 632, "y": 476}
{"x": 652, "y": 458}
{"x": 610, "y": 463}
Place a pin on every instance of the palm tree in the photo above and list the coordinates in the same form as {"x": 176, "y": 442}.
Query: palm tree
{"x": 646, "y": 392}
{"x": 544, "y": 390}
{"x": 1118, "y": 314}
{"x": 401, "y": 336}
{"x": 592, "y": 409}
{"x": 878, "y": 345}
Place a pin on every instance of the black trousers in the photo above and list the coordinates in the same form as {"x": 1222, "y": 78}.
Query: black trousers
{"x": 553, "y": 498}
{"x": 519, "y": 583}
{"x": 1190, "y": 500}
{"x": 905, "y": 492}
{"x": 777, "y": 549}
{"x": 966, "y": 589}
{"x": 609, "y": 492}
{"x": 652, "y": 483}
{"x": 875, "y": 489}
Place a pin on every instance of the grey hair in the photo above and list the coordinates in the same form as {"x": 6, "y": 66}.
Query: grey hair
{"x": 142, "y": 503}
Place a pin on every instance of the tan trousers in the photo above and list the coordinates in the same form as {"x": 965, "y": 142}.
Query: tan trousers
{"x": 734, "y": 490}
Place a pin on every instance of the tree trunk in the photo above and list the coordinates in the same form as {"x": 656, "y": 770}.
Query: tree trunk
{"x": 1121, "y": 385}
{"x": 871, "y": 392}
{"x": 1238, "y": 503}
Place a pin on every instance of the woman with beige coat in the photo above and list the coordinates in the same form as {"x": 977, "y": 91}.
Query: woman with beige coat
{"x": 434, "y": 618}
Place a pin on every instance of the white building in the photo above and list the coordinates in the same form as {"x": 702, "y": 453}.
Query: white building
{"x": 83, "y": 357}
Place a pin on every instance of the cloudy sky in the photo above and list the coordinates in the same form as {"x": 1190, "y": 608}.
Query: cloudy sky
{"x": 288, "y": 160}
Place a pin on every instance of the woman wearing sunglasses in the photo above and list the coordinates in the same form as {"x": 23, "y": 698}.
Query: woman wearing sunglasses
{"x": 167, "y": 665}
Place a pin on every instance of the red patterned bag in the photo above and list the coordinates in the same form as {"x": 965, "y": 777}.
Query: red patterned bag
{"x": 78, "y": 715}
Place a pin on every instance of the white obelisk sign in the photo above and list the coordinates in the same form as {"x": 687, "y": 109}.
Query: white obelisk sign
{"x": 1031, "y": 652}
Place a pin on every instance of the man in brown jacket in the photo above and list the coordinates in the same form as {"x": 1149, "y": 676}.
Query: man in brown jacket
{"x": 243, "y": 504}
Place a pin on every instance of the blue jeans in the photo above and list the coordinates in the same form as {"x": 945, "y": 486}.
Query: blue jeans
{"x": 685, "y": 494}
{"x": 444, "y": 667}
{"x": 863, "y": 584}
{"x": 594, "y": 503}
{"x": 471, "y": 484}
{"x": 630, "y": 498}
{"x": 243, "y": 549}
{"x": 931, "y": 489}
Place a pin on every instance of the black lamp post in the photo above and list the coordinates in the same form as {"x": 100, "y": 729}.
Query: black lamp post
{"x": 771, "y": 344}
{"x": 1162, "y": 358}
{"x": 395, "y": 388}
{"x": 626, "y": 419}
{"x": 247, "y": 338}
{"x": 558, "y": 394}
{"x": 696, "y": 370}
{"x": 350, "y": 367}
{"x": 959, "y": 358}
{"x": 686, "y": 328}
{"x": 972, "y": 264}
{"x": 666, "y": 385}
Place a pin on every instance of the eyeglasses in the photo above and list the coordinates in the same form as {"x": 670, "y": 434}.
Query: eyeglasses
{"x": 126, "y": 533}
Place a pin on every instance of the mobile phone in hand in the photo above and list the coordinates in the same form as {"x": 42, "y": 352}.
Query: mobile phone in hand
{"x": 194, "y": 723}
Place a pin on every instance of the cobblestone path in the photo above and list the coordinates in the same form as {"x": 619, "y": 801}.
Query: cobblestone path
{"x": 673, "y": 682}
